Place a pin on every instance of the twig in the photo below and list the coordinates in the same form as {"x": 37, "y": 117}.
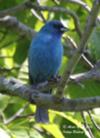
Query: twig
{"x": 82, "y": 4}
{"x": 29, "y": 4}
{"x": 34, "y": 12}
{"x": 74, "y": 45}
{"x": 60, "y": 10}
{"x": 93, "y": 74}
{"x": 25, "y": 116}
{"x": 78, "y": 2}
{"x": 76, "y": 57}
{"x": 16, "y": 115}
{"x": 38, "y": 13}
{"x": 93, "y": 121}
{"x": 23, "y": 6}
{"x": 87, "y": 126}
{"x": 14, "y": 87}
{"x": 42, "y": 17}
{"x": 55, "y": 2}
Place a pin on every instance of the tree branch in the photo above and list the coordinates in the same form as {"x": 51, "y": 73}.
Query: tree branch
{"x": 76, "y": 57}
{"x": 30, "y": 5}
{"x": 73, "y": 46}
{"x": 60, "y": 10}
{"x": 93, "y": 74}
{"x": 13, "y": 23}
{"x": 14, "y": 87}
{"x": 93, "y": 121}
{"x": 81, "y": 3}
{"x": 16, "y": 115}
{"x": 86, "y": 125}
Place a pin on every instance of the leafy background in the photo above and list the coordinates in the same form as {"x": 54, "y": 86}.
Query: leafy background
{"x": 13, "y": 61}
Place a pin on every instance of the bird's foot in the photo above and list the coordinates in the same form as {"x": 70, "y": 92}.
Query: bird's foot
{"x": 55, "y": 79}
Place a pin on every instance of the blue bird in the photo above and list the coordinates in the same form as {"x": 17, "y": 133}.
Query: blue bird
{"x": 45, "y": 55}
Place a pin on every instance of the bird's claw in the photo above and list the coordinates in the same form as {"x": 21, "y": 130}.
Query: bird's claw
{"x": 55, "y": 79}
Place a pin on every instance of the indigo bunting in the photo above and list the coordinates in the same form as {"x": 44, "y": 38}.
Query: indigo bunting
{"x": 45, "y": 55}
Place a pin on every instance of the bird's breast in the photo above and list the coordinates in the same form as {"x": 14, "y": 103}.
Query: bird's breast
{"x": 45, "y": 59}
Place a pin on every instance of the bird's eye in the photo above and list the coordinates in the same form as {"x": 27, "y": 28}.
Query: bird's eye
{"x": 58, "y": 26}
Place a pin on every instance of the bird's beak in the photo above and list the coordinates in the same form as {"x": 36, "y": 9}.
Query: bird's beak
{"x": 65, "y": 29}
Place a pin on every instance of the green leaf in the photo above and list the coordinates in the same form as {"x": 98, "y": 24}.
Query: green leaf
{"x": 21, "y": 51}
{"x": 94, "y": 44}
{"x": 86, "y": 89}
{"x": 4, "y": 100}
{"x": 53, "y": 129}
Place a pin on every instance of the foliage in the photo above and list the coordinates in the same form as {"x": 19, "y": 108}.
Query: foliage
{"x": 13, "y": 62}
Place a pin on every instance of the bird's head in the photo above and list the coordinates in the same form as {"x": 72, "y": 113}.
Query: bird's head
{"x": 54, "y": 27}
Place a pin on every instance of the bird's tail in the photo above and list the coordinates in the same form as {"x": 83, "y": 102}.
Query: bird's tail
{"x": 41, "y": 115}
